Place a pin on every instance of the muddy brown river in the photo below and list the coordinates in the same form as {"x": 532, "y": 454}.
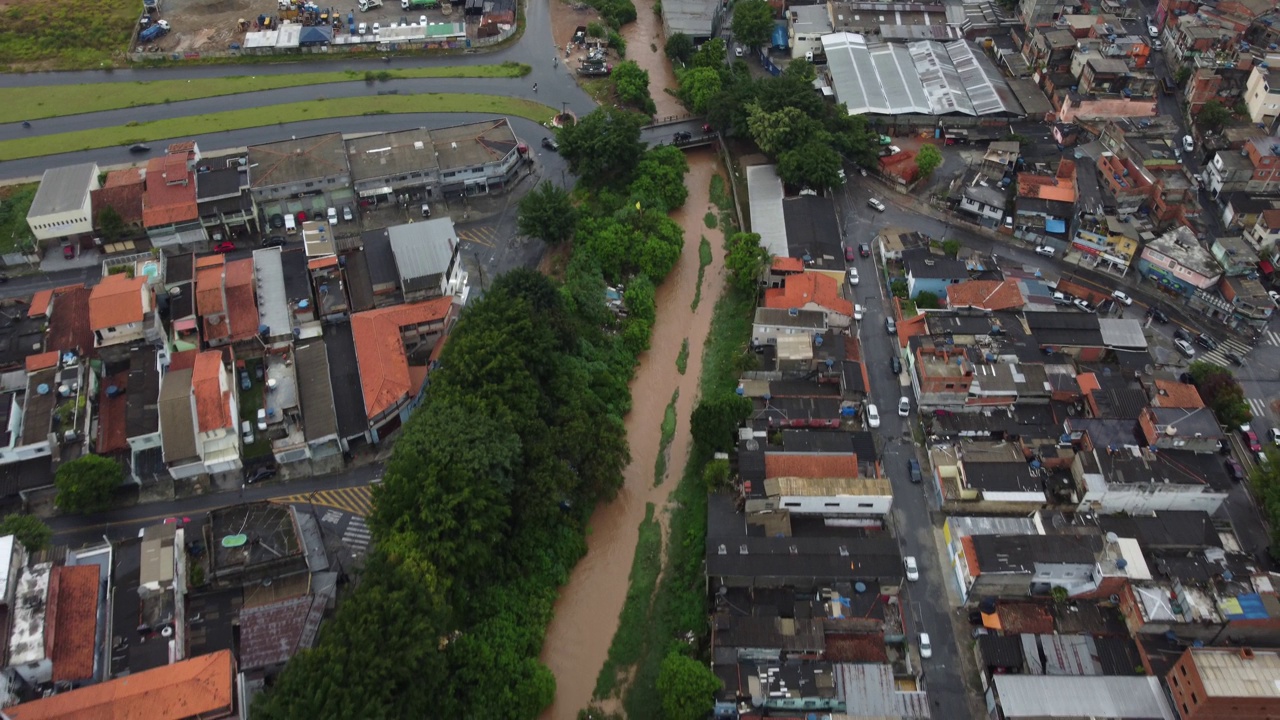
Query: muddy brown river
{"x": 586, "y": 614}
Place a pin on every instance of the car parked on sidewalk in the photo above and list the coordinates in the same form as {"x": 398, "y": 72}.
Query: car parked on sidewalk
{"x": 259, "y": 473}
{"x": 1250, "y": 439}
{"x": 1234, "y": 469}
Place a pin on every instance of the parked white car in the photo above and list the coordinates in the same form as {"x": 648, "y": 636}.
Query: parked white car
{"x": 904, "y": 406}
{"x": 926, "y": 647}
{"x": 1121, "y": 297}
{"x": 333, "y": 216}
{"x": 1045, "y": 250}
{"x": 858, "y": 311}
{"x": 913, "y": 571}
{"x": 262, "y": 418}
{"x": 873, "y": 416}
{"x": 246, "y": 432}
{"x": 876, "y": 204}
{"x": 853, "y": 276}
{"x": 1188, "y": 143}
{"x": 346, "y": 213}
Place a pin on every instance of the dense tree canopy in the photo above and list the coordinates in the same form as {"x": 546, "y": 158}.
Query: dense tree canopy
{"x": 631, "y": 82}
{"x": 548, "y": 214}
{"x": 604, "y": 145}
{"x": 752, "y": 22}
{"x": 928, "y": 158}
{"x": 1221, "y": 392}
{"x": 87, "y": 483}
{"x": 679, "y": 48}
{"x": 28, "y": 529}
{"x": 687, "y": 687}
{"x": 715, "y": 419}
{"x": 746, "y": 260}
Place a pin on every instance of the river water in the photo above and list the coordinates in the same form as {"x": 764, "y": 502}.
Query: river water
{"x": 586, "y": 614}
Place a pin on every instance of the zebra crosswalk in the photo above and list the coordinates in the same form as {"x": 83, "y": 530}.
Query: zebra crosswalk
{"x": 1270, "y": 337}
{"x": 1218, "y": 356}
{"x": 356, "y": 536}
{"x": 1258, "y": 407}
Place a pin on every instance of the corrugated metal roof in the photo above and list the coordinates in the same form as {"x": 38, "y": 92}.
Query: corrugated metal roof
{"x": 868, "y": 690}
{"x": 422, "y": 249}
{"x": 63, "y": 189}
{"x": 1028, "y": 696}
{"x": 764, "y": 188}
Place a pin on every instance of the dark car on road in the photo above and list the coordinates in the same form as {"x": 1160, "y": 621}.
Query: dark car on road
{"x": 550, "y": 144}
{"x": 1181, "y": 334}
{"x": 139, "y": 148}
{"x": 1158, "y": 315}
{"x": 913, "y": 467}
{"x": 1206, "y": 342}
{"x": 274, "y": 241}
{"x": 1235, "y": 469}
{"x": 276, "y": 221}
{"x": 1234, "y": 359}
{"x": 864, "y": 250}
{"x": 895, "y": 365}
{"x": 259, "y": 473}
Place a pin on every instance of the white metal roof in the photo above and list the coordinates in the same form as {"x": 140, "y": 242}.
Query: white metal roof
{"x": 1107, "y": 696}
{"x": 764, "y": 188}
{"x": 926, "y": 78}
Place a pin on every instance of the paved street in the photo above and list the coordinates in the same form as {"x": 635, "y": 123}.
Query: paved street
{"x": 928, "y": 608}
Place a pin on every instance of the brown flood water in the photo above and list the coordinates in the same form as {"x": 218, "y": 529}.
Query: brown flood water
{"x": 586, "y": 614}
{"x": 646, "y": 30}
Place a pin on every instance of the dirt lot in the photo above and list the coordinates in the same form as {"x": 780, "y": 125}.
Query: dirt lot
{"x": 209, "y": 25}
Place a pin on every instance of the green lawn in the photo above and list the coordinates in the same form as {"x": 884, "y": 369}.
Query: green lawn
{"x": 64, "y": 34}
{"x": 271, "y": 115}
{"x": 250, "y": 401}
{"x": 15, "y": 201}
{"x": 35, "y": 103}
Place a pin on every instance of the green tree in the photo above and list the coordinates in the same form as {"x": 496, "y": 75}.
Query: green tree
{"x": 87, "y": 483}
{"x": 716, "y": 475}
{"x": 927, "y": 301}
{"x": 814, "y": 164}
{"x": 687, "y": 687}
{"x": 777, "y": 131}
{"x": 659, "y": 179}
{"x": 28, "y": 529}
{"x": 711, "y": 54}
{"x": 679, "y": 48}
{"x": 1182, "y": 75}
{"x": 548, "y": 214}
{"x": 699, "y": 86}
{"x": 632, "y": 85}
{"x": 604, "y": 145}
{"x": 639, "y": 299}
{"x": 752, "y": 22}
{"x": 928, "y": 158}
{"x": 715, "y": 420}
{"x": 1221, "y": 392}
{"x": 951, "y": 248}
{"x": 1265, "y": 478}
{"x": 110, "y": 224}
{"x": 1212, "y": 116}
{"x": 746, "y": 260}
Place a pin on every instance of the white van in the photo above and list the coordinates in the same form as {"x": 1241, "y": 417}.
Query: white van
{"x": 289, "y": 225}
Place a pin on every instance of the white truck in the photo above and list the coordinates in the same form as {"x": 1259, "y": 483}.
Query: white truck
{"x": 367, "y": 5}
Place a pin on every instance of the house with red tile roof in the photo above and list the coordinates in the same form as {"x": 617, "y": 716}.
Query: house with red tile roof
{"x": 823, "y": 484}
{"x": 217, "y": 413}
{"x": 812, "y": 291}
{"x": 390, "y": 344}
{"x": 122, "y": 311}
{"x": 169, "y": 210}
{"x": 202, "y": 687}
{"x": 985, "y": 295}
{"x": 225, "y": 300}
{"x": 73, "y": 613}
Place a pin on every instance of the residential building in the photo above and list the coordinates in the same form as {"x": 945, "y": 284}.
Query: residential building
{"x": 1032, "y": 697}
{"x": 1226, "y": 683}
{"x": 812, "y": 291}
{"x": 170, "y": 212}
{"x": 1123, "y": 477}
{"x": 202, "y": 687}
{"x": 226, "y": 206}
{"x": 122, "y": 193}
{"x": 806, "y": 24}
{"x": 830, "y": 486}
{"x": 1262, "y": 96}
{"x": 1049, "y": 49}
{"x": 393, "y": 347}
{"x": 315, "y": 396}
{"x": 813, "y": 233}
{"x": 773, "y": 323}
{"x": 52, "y": 390}
{"x": 981, "y": 196}
{"x": 1234, "y": 255}
{"x": 985, "y": 295}
{"x": 1177, "y": 262}
{"x": 307, "y": 166}
{"x": 1129, "y": 184}
{"x": 426, "y": 255}
{"x": 226, "y": 301}
{"x": 1264, "y": 235}
{"x": 122, "y": 312}
{"x": 932, "y": 272}
{"x": 1045, "y": 204}
{"x": 1043, "y": 13}
{"x": 63, "y": 206}
{"x": 1114, "y": 250}
{"x": 1016, "y": 566}
{"x": 217, "y": 414}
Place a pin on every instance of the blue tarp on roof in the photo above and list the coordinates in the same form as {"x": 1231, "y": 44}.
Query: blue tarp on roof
{"x": 780, "y": 37}
{"x": 1251, "y": 608}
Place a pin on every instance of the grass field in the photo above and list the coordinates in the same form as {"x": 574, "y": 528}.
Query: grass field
{"x": 35, "y": 103}
{"x": 65, "y": 34}
{"x": 15, "y": 201}
{"x": 271, "y": 115}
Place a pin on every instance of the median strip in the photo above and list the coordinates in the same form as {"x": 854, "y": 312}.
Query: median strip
{"x": 320, "y": 109}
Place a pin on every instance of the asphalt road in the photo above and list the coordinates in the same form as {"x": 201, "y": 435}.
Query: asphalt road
{"x": 926, "y": 606}
{"x": 121, "y": 523}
